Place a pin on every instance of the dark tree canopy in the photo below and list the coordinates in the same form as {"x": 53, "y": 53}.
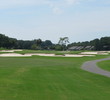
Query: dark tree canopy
{"x": 99, "y": 44}
{"x": 37, "y": 44}
{"x": 7, "y": 42}
{"x": 11, "y": 43}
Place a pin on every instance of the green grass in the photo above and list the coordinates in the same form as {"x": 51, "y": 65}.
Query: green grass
{"x": 5, "y": 52}
{"x": 48, "y": 52}
{"x": 2, "y": 48}
{"x": 50, "y": 78}
{"x": 36, "y": 51}
{"x": 104, "y": 65}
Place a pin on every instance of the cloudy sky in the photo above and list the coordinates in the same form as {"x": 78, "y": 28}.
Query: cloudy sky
{"x": 80, "y": 20}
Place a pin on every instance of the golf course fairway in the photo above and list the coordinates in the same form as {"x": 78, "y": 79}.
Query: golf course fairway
{"x": 50, "y": 78}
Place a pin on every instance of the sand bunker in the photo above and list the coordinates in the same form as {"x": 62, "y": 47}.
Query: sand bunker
{"x": 10, "y": 50}
{"x": 39, "y": 54}
{"x": 95, "y": 53}
{"x": 53, "y": 55}
{"x": 13, "y": 55}
{"x": 91, "y": 53}
{"x": 70, "y": 55}
{"x": 25, "y": 55}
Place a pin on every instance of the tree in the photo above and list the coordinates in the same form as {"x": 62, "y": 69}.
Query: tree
{"x": 105, "y": 43}
{"x": 38, "y": 43}
{"x": 63, "y": 41}
{"x": 58, "y": 47}
{"x": 46, "y": 44}
{"x": 34, "y": 47}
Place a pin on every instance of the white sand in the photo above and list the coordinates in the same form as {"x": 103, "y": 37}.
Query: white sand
{"x": 25, "y": 55}
{"x": 70, "y": 55}
{"x": 39, "y": 54}
{"x": 96, "y": 53}
{"x": 45, "y": 54}
{"x": 91, "y": 53}
{"x": 12, "y": 55}
{"x": 10, "y": 50}
{"x": 103, "y": 52}
{"x": 108, "y": 51}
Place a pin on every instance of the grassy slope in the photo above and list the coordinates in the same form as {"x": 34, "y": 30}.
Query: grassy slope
{"x": 105, "y": 65}
{"x": 50, "y": 78}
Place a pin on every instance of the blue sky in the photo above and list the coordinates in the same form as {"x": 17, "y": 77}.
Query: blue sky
{"x": 80, "y": 20}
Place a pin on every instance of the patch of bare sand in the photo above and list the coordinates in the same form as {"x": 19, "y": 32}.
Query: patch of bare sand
{"x": 70, "y": 55}
{"x": 95, "y": 53}
{"x": 40, "y": 54}
{"x": 91, "y": 53}
{"x": 12, "y": 55}
{"x": 10, "y": 50}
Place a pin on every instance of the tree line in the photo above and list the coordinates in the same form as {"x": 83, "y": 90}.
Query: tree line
{"x": 37, "y": 44}
{"x": 99, "y": 44}
{"x": 12, "y": 43}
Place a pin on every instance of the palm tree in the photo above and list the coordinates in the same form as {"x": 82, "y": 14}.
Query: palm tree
{"x": 63, "y": 41}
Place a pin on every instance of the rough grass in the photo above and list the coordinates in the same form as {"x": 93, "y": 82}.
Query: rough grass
{"x": 50, "y": 78}
{"x": 104, "y": 65}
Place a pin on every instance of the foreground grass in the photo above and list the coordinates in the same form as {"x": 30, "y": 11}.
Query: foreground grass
{"x": 104, "y": 65}
{"x": 50, "y": 78}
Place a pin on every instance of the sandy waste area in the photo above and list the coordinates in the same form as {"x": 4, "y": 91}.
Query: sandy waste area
{"x": 10, "y": 50}
{"x": 96, "y": 53}
{"x": 39, "y": 54}
{"x": 12, "y": 54}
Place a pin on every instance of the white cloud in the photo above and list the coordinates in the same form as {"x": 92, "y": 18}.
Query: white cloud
{"x": 56, "y": 5}
{"x": 11, "y": 3}
{"x": 71, "y": 2}
{"x": 15, "y": 3}
{"x": 57, "y": 10}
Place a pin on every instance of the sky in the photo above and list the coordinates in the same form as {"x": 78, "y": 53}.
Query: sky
{"x": 80, "y": 20}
